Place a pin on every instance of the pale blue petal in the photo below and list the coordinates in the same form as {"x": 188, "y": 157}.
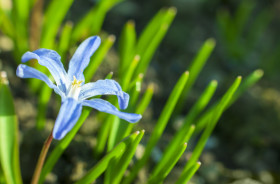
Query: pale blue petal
{"x": 68, "y": 115}
{"x": 51, "y": 60}
{"x": 105, "y": 106}
{"x": 25, "y": 71}
{"x": 104, "y": 87}
{"x": 82, "y": 56}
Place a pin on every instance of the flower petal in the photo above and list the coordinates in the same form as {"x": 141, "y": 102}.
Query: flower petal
{"x": 51, "y": 60}
{"x": 104, "y": 87}
{"x": 25, "y": 71}
{"x": 107, "y": 107}
{"x": 68, "y": 115}
{"x": 82, "y": 56}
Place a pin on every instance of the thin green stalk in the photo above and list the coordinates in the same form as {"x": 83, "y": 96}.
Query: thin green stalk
{"x": 161, "y": 174}
{"x": 127, "y": 46}
{"x": 160, "y": 125}
{"x": 103, "y": 164}
{"x": 6, "y": 25}
{"x": 171, "y": 148}
{"x": 44, "y": 97}
{"x": 9, "y": 147}
{"x": 188, "y": 174}
{"x": 129, "y": 73}
{"x": 142, "y": 106}
{"x": 195, "y": 69}
{"x": 102, "y": 136}
{"x": 215, "y": 116}
{"x": 198, "y": 107}
{"x": 51, "y": 24}
{"x": 115, "y": 132}
{"x": 59, "y": 149}
{"x": 124, "y": 161}
{"x": 64, "y": 41}
{"x": 248, "y": 82}
{"x": 41, "y": 159}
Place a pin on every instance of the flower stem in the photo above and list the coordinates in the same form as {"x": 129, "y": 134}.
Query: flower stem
{"x": 41, "y": 160}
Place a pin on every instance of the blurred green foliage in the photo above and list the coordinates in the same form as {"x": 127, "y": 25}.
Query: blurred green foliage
{"x": 34, "y": 23}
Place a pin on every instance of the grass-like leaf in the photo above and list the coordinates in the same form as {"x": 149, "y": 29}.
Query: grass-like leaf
{"x": 164, "y": 16}
{"x": 62, "y": 145}
{"x": 124, "y": 161}
{"x": 102, "y": 136}
{"x": 118, "y": 126}
{"x": 102, "y": 165}
{"x": 185, "y": 132}
{"x": 248, "y": 82}
{"x": 6, "y": 25}
{"x": 159, "y": 175}
{"x": 180, "y": 136}
{"x": 44, "y": 97}
{"x": 258, "y": 27}
{"x": 9, "y": 148}
{"x": 2, "y": 177}
{"x": 242, "y": 16}
{"x": 196, "y": 67}
{"x": 160, "y": 125}
{"x": 152, "y": 36}
{"x": 141, "y": 107}
{"x": 186, "y": 177}
{"x": 51, "y": 24}
{"x": 20, "y": 16}
{"x": 129, "y": 72}
{"x": 171, "y": 149}
{"x": 81, "y": 29}
{"x": 64, "y": 41}
{"x": 212, "y": 121}
{"x": 92, "y": 22}
{"x": 127, "y": 47}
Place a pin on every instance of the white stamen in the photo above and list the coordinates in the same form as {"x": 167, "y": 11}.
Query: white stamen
{"x": 75, "y": 88}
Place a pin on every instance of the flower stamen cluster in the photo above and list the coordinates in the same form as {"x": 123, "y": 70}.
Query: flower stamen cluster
{"x": 75, "y": 88}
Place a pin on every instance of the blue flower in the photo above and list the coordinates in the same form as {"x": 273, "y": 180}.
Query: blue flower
{"x": 70, "y": 85}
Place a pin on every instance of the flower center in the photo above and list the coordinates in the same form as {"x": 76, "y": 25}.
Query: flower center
{"x": 75, "y": 88}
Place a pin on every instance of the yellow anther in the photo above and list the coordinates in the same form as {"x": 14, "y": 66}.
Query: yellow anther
{"x": 76, "y": 83}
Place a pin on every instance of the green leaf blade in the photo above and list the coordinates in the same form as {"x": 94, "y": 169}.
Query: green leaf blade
{"x": 102, "y": 165}
{"x": 9, "y": 148}
{"x": 189, "y": 174}
{"x": 127, "y": 46}
{"x": 248, "y": 82}
{"x": 212, "y": 121}
{"x": 196, "y": 66}
{"x": 152, "y": 36}
{"x": 51, "y": 24}
{"x": 160, "y": 125}
{"x": 159, "y": 175}
{"x": 126, "y": 159}
{"x": 63, "y": 144}
{"x": 64, "y": 41}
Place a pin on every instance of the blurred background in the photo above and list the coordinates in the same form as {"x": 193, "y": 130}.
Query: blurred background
{"x": 246, "y": 141}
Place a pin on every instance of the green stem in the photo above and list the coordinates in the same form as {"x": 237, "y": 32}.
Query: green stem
{"x": 41, "y": 160}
